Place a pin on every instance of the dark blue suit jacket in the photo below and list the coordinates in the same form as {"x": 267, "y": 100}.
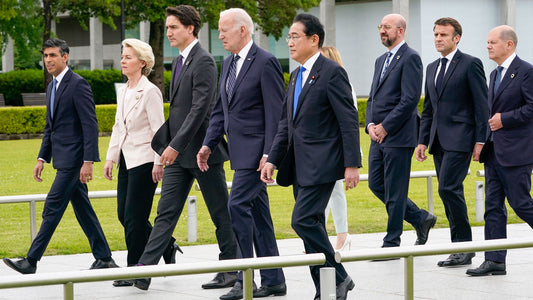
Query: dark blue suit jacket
{"x": 458, "y": 115}
{"x": 71, "y": 137}
{"x": 322, "y": 139}
{"x": 513, "y": 144}
{"x": 250, "y": 121}
{"x": 394, "y": 99}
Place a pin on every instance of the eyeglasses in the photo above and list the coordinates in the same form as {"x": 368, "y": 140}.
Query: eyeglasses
{"x": 386, "y": 27}
{"x": 293, "y": 38}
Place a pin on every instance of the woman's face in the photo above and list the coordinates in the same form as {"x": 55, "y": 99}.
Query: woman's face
{"x": 131, "y": 65}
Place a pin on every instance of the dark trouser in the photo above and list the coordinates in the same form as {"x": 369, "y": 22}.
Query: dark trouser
{"x": 452, "y": 168}
{"x": 67, "y": 186}
{"x": 177, "y": 182}
{"x": 388, "y": 178}
{"x": 135, "y": 195}
{"x": 308, "y": 220}
{"x": 500, "y": 182}
{"x": 252, "y": 223}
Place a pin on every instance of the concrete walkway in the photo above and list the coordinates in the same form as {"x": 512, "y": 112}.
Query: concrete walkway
{"x": 374, "y": 280}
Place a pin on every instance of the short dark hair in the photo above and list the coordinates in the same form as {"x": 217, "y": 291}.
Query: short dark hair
{"x": 56, "y": 43}
{"x": 458, "y": 30}
{"x": 312, "y": 26}
{"x": 188, "y": 15}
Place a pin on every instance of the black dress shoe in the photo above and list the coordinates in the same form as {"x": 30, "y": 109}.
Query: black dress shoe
{"x": 276, "y": 290}
{"x": 123, "y": 282}
{"x": 457, "y": 259}
{"x": 170, "y": 253}
{"x": 422, "y": 233}
{"x": 221, "y": 280}
{"x": 22, "y": 265}
{"x": 488, "y": 267}
{"x": 344, "y": 287}
{"x": 236, "y": 292}
{"x": 103, "y": 264}
{"x": 142, "y": 283}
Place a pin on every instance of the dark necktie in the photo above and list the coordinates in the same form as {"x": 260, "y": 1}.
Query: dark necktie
{"x": 52, "y": 97}
{"x": 232, "y": 76}
{"x": 177, "y": 71}
{"x": 298, "y": 89}
{"x": 440, "y": 77}
{"x": 386, "y": 65}
{"x": 498, "y": 78}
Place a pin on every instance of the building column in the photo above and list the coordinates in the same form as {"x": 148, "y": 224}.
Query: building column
{"x": 261, "y": 39}
{"x": 327, "y": 17}
{"x": 144, "y": 31}
{"x": 96, "y": 45}
{"x": 402, "y": 7}
{"x": 8, "y": 59}
{"x": 508, "y": 12}
{"x": 203, "y": 36}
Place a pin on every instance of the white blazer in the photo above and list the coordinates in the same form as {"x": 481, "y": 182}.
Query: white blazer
{"x": 136, "y": 121}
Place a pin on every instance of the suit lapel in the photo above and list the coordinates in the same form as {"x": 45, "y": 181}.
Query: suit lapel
{"x": 186, "y": 64}
{"x": 451, "y": 68}
{"x": 509, "y": 76}
{"x": 131, "y": 103}
{"x": 377, "y": 73}
{"x": 491, "y": 89}
{"x": 224, "y": 79}
{"x": 62, "y": 86}
{"x": 245, "y": 67}
{"x": 290, "y": 93}
{"x": 313, "y": 76}
{"x": 431, "y": 74}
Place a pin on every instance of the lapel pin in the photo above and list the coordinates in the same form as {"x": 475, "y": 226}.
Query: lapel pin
{"x": 312, "y": 79}
{"x": 187, "y": 62}
{"x": 512, "y": 76}
{"x": 137, "y": 97}
{"x": 249, "y": 59}
{"x": 397, "y": 57}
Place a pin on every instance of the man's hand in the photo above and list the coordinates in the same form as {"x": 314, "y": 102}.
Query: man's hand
{"x": 495, "y": 122}
{"x": 380, "y": 133}
{"x": 168, "y": 157}
{"x": 108, "y": 169}
{"x": 351, "y": 177}
{"x": 267, "y": 172}
{"x": 37, "y": 171}
{"x": 371, "y": 132}
{"x": 157, "y": 173}
{"x": 262, "y": 163}
{"x": 477, "y": 151}
{"x": 202, "y": 157}
{"x": 86, "y": 172}
{"x": 421, "y": 152}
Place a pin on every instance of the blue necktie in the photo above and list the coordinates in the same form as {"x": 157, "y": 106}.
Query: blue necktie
{"x": 498, "y": 78}
{"x": 386, "y": 65}
{"x": 52, "y": 97}
{"x": 177, "y": 70}
{"x": 298, "y": 88}
{"x": 440, "y": 77}
{"x": 232, "y": 76}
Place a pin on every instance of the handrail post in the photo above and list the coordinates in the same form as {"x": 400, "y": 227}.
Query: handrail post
{"x": 33, "y": 221}
{"x": 248, "y": 284}
{"x": 409, "y": 278}
{"x": 68, "y": 291}
{"x": 430, "y": 193}
{"x": 191, "y": 219}
{"x": 480, "y": 201}
{"x": 328, "y": 288}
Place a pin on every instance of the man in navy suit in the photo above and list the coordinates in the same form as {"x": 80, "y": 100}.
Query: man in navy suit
{"x": 71, "y": 140}
{"x": 453, "y": 124}
{"x": 392, "y": 123}
{"x": 248, "y": 110}
{"x": 508, "y": 149}
{"x": 317, "y": 142}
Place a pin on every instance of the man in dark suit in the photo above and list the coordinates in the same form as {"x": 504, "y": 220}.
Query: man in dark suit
{"x": 453, "y": 124}
{"x": 192, "y": 96}
{"x": 248, "y": 110}
{"x": 508, "y": 149}
{"x": 317, "y": 142}
{"x": 392, "y": 123}
{"x": 71, "y": 140}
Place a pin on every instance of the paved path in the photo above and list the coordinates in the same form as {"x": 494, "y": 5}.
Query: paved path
{"x": 374, "y": 280}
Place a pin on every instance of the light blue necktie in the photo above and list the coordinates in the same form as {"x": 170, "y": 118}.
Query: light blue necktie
{"x": 498, "y": 78}
{"x": 386, "y": 65}
{"x": 52, "y": 97}
{"x": 298, "y": 88}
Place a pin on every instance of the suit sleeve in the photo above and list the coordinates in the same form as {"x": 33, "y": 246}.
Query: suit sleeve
{"x": 427, "y": 117}
{"x": 411, "y": 86}
{"x": 84, "y": 105}
{"x": 215, "y": 130}
{"x": 113, "y": 148}
{"x": 478, "y": 89}
{"x": 524, "y": 113}
{"x": 203, "y": 92}
{"x": 281, "y": 140}
{"x": 154, "y": 111}
{"x": 272, "y": 86}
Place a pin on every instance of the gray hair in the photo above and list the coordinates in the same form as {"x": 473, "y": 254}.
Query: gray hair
{"x": 144, "y": 53}
{"x": 241, "y": 18}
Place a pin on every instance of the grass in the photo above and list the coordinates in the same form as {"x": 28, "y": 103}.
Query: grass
{"x": 17, "y": 160}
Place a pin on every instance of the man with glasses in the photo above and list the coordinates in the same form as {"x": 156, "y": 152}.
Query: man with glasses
{"x": 317, "y": 142}
{"x": 392, "y": 123}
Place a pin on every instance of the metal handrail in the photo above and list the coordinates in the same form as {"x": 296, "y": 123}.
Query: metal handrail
{"x": 409, "y": 252}
{"x": 247, "y": 265}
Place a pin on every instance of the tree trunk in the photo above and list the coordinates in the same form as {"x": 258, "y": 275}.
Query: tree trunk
{"x": 156, "y": 41}
{"x": 47, "y": 14}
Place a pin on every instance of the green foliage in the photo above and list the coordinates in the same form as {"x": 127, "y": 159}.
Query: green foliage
{"x": 102, "y": 84}
{"x": 13, "y": 83}
{"x": 19, "y": 19}
{"x": 21, "y": 120}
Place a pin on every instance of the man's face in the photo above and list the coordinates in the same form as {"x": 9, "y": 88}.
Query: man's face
{"x": 301, "y": 47}
{"x": 178, "y": 35}
{"x": 54, "y": 62}
{"x": 445, "y": 42}
{"x": 498, "y": 49}
{"x": 230, "y": 35}
{"x": 389, "y": 31}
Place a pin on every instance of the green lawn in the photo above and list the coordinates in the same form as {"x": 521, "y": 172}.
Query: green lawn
{"x": 17, "y": 160}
